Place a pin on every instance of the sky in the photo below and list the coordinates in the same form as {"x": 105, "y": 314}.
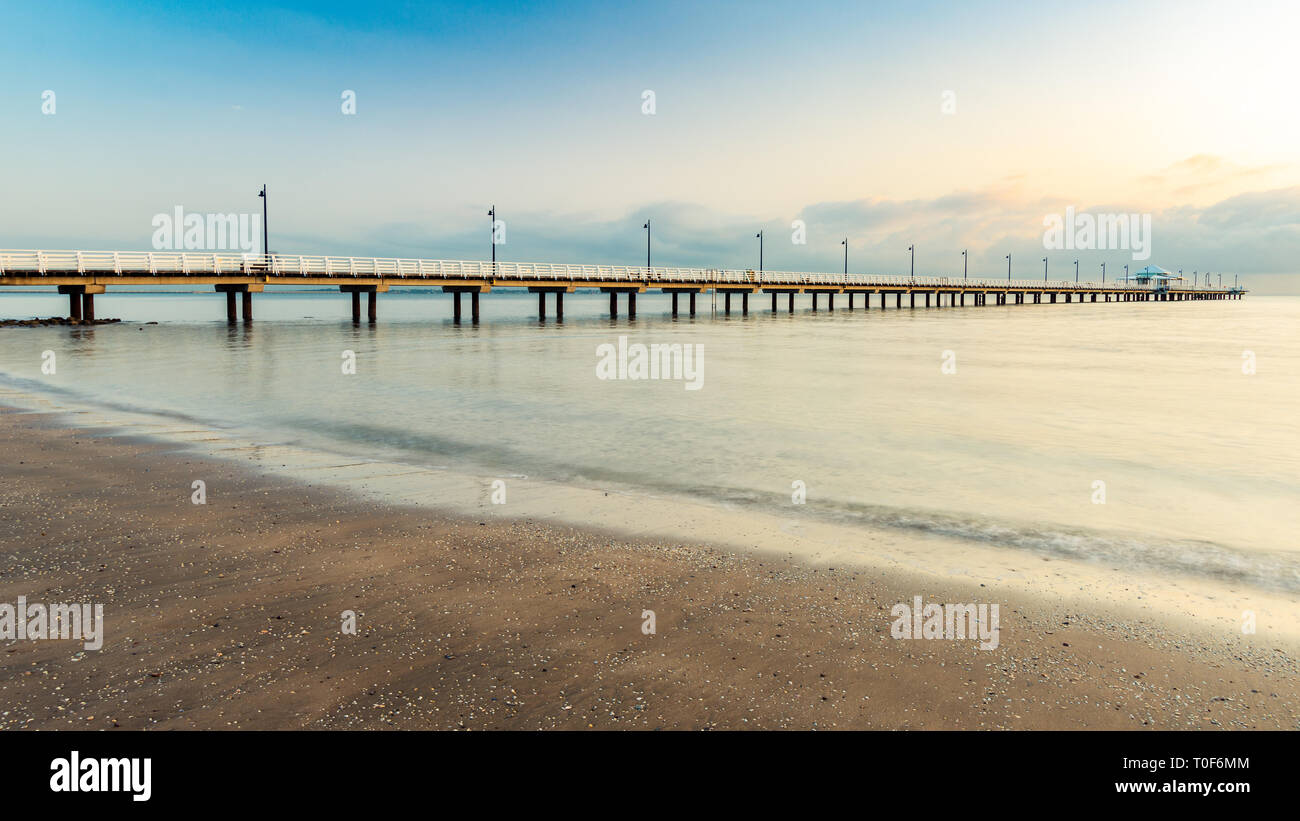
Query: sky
{"x": 946, "y": 126}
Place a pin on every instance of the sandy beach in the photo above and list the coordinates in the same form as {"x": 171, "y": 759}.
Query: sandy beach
{"x": 228, "y": 615}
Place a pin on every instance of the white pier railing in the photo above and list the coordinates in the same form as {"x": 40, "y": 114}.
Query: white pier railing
{"x": 209, "y": 264}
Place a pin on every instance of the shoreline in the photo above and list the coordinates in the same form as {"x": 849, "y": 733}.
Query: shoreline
{"x": 227, "y": 615}
{"x": 1191, "y": 604}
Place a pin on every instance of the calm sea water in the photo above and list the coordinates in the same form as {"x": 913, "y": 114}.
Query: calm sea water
{"x": 1198, "y": 459}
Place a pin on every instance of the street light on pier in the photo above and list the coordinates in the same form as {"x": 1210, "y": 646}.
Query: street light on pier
{"x": 911, "y": 249}
{"x": 760, "y": 251}
{"x": 845, "y": 243}
{"x": 1044, "y": 269}
{"x": 1008, "y": 269}
{"x": 647, "y": 247}
{"x": 1076, "y": 272}
{"x": 1103, "y": 273}
{"x": 492, "y": 234}
{"x": 266, "y": 238}
{"x": 963, "y": 268}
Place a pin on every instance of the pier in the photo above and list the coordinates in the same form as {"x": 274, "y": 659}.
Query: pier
{"x": 83, "y": 274}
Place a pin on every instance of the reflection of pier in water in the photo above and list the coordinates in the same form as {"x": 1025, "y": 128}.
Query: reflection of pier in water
{"x": 83, "y": 274}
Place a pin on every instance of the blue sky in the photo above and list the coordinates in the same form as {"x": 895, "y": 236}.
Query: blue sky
{"x": 765, "y": 113}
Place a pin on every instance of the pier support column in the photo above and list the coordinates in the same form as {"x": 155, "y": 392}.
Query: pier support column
{"x": 356, "y": 305}
{"x": 830, "y": 302}
{"x": 372, "y": 306}
{"x": 613, "y": 301}
{"x": 473, "y": 307}
{"x": 814, "y": 296}
{"x": 744, "y": 304}
{"x": 541, "y": 306}
{"x": 726, "y": 302}
{"x": 245, "y": 292}
{"x": 851, "y": 300}
{"x": 77, "y": 299}
{"x": 692, "y": 303}
{"x": 674, "y": 303}
{"x": 790, "y": 310}
{"x": 88, "y": 307}
{"x": 912, "y": 296}
{"x": 232, "y": 307}
{"x": 773, "y": 303}
{"x": 559, "y": 306}
{"x": 455, "y": 307}
{"x": 898, "y": 301}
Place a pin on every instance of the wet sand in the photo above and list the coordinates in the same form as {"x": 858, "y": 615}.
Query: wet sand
{"x": 228, "y": 615}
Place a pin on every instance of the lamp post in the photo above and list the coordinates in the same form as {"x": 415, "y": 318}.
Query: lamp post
{"x": 1076, "y": 272}
{"x": 963, "y": 269}
{"x": 760, "y": 251}
{"x": 1103, "y": 273}
{"x": 845, "y": 243}
{"x": 1008, "y": 269}
{"x": 1044, "y": 270}
{"x": 266, "y": 239}
{"x": 492, "y": 234}
{"x": 647, "y": 247}
{"x": 911, "y": 249}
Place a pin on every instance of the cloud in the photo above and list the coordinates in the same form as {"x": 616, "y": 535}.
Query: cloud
{"x": 1206, "y": 173}
{"x": 1248, "y": 233}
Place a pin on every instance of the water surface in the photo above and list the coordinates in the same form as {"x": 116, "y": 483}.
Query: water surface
{"x": 1198, "y": 459}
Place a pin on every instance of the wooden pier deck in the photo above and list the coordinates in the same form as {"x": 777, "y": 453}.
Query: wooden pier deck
{"x": 83, "y": 274}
